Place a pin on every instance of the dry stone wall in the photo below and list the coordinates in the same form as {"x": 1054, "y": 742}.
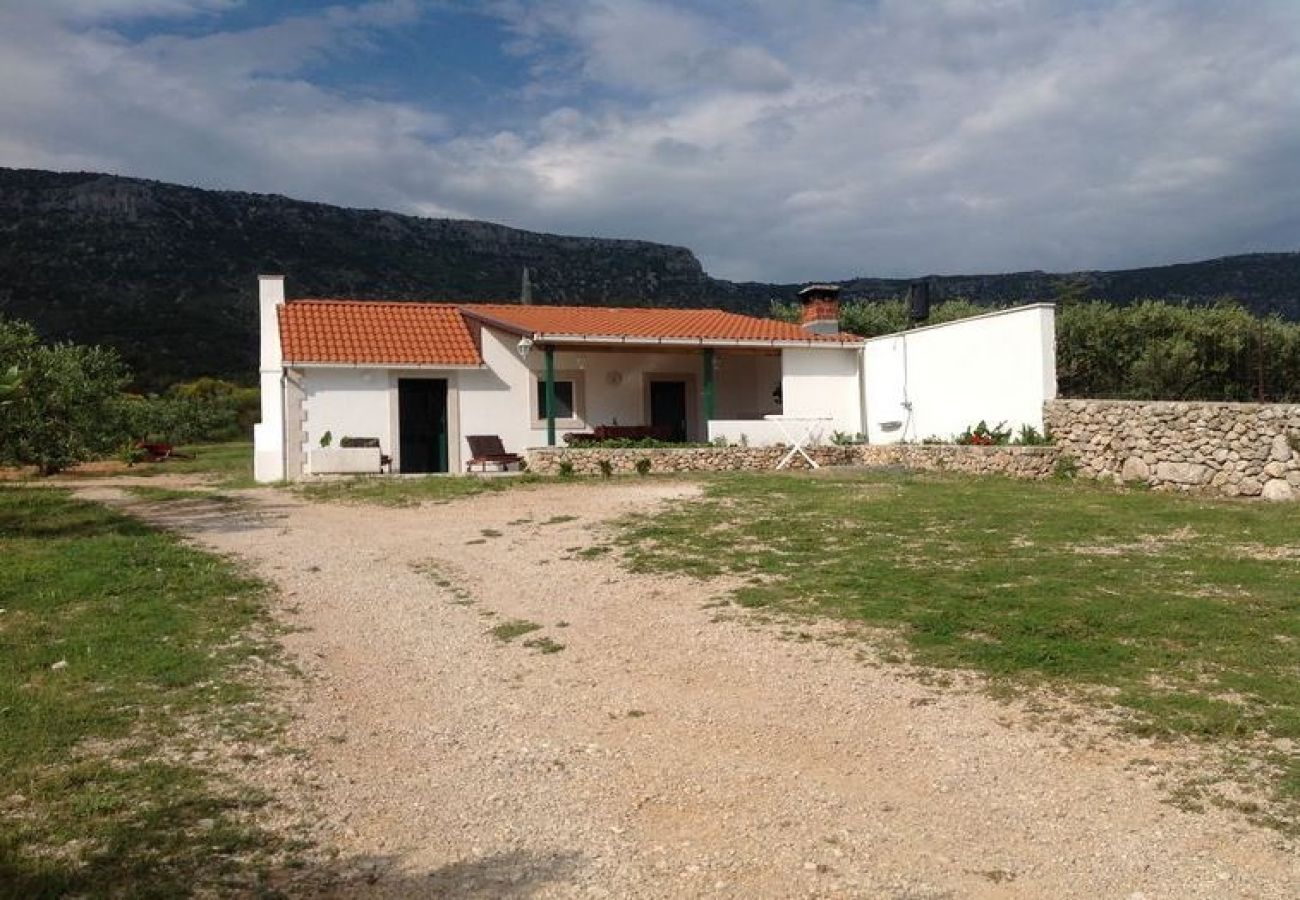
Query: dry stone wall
{"x": 1021, "y": 462}
{"x": 1035, "y": 463}
{"x": 586, "y": 460}
{"x": 1233, "y": 449}
{"x": 1229, "y": 449}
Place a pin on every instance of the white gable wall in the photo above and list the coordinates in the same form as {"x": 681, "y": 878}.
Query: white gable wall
{"x": 823, "y": 384}
{"x": 998, "y": 367}
{"x": 494, "y": 400}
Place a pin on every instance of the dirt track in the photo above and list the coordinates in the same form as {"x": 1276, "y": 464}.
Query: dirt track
{"x": 664, "y": 753}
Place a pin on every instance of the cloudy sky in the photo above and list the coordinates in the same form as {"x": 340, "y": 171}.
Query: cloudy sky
{"x": 780, "y": 140}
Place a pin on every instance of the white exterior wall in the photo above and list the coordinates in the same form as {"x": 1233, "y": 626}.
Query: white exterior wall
{"x": 612, "y": 387}
{"x": 268, "y": 434}
{"x": 347, "y": 403}
{"x": 746, "y": 385}
{"x": 823, "y": 384}
{"x": 999, "y": 367}
{"x": 494, "y": 400}
{"x": 753, "y": 432}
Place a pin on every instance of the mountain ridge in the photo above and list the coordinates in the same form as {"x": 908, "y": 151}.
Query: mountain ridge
{"x": 166, "y": 273}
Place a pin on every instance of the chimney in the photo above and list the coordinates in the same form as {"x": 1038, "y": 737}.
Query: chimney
{"x": 821, "y": 308}
{"x": 269, "y": 439}
{"x": 270, "y": 297}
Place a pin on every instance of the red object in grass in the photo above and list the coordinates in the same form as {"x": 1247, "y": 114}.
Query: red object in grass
{"x": 155, "y": 452}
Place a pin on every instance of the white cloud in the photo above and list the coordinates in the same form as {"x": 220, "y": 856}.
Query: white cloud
{"x": 778, "y": 140}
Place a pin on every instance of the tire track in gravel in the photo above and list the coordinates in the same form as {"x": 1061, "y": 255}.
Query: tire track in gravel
{"x": 663, "y": 753}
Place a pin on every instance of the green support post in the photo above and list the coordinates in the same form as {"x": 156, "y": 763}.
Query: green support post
{"x": 550, "y": 396}
{"x": 709, "y": 392}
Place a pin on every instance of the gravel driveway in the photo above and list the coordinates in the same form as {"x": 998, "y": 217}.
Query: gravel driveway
{"x": 666, "y": 750}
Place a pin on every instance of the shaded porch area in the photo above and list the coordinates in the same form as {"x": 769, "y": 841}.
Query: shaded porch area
{"x": 665, "y": 393}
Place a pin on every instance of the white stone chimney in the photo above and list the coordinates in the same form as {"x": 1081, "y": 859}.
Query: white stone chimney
{"x": 268, "y": 434}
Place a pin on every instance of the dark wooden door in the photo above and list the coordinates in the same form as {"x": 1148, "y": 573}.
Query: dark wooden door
{"x": 422, "y": 424}
{"x": 668, "y": 407}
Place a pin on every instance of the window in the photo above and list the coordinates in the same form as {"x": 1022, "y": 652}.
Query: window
{"x": 564, "y": 399}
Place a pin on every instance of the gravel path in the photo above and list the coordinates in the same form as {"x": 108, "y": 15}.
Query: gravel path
{"x": 662, "y": 752}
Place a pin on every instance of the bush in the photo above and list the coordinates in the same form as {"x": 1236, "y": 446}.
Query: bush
{"x": 606, "y": 468}
{"x": 643, "y": 466}
{"x": 64, "y": 404}
{"x": 1030, "y": 436}
{"x": 1148, "y": 350}
{"x": 1066, "y": 469}
{"x": 566, "y": 469}
{"x": 984, "y": 436}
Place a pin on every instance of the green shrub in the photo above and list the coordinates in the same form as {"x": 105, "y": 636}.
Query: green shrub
{"x": 606, "y": 468}
{"x": 1066, "y": 469}
{"x": 643, "y": 466}
{"x": 65, "y": 405}
{"x": 981, "y": 435}
{"x": 1030, "y": 436}
{"x": 566, "y": 469}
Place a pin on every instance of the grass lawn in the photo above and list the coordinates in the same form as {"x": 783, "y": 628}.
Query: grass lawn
{"x": 228, "y": 465}
{"x": 1185, "y": 613}
{"x": 389, "y": 491}
{"x": 120, "y": 652}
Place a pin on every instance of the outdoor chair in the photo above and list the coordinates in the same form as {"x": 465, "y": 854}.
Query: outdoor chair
{"x": 487, "y": 454}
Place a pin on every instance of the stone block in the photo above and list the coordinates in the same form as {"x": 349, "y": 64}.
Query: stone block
{"x": 1277, "y": 490}
{"x": 1181, "y": 472}
{"x": 1135, "y": 469}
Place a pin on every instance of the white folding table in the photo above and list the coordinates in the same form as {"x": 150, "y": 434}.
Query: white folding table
{"x": 798, "y": 430}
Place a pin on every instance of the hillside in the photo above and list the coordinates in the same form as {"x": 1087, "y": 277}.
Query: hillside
{"x": 167, "y": 273}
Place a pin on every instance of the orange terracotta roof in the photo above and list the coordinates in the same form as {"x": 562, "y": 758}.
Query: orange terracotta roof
{"x": 364, "y": 332}
{"x": 645, "y": 323}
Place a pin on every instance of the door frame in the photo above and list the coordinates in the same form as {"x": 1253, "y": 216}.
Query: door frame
{"x": 454, "y": 450}
{"x": 692, "y": 388}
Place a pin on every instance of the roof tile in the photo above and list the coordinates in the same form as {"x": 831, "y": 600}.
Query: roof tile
{"x": 648, "y": 323}
{"x": 372, "y": 332}
{"x": 366, "y": 332}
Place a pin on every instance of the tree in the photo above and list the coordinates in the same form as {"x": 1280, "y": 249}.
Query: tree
{"x": 11, "y": 384}
{"x": 68, "y": 408}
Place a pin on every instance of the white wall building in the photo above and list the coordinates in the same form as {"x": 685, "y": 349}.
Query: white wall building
{"x": 417, "y": 379}
{"x": 413, "y": 381}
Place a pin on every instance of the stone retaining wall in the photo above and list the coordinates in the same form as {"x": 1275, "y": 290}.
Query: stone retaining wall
{"x": 1233, "y": 449}
{"x": 586, "y": 461}
{"x": 1033, "y": 463}
{"x": 1020, "y": 462}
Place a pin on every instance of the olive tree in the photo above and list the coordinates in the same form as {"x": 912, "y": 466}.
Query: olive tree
{"x": 64, "y": 405}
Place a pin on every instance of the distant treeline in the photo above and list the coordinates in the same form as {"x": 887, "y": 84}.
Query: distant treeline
{"x": 1150, "y": 350}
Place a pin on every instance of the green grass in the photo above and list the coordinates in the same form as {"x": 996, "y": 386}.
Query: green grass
{"x": 512, "y": 628}
{"x": 119, "y": 651}
{"x": 228, "y": 465}
{"x": 387, "y": 491}
{"x": 544, "y": 645}
{"x": 1184, "y": 612}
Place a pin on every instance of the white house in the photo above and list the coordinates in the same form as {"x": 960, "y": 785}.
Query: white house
{"x": 418, "y": 378}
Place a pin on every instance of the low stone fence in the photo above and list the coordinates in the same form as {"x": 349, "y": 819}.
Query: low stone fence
{"x": 1229, "y": 449}
{"x": 1032, "y": 462}
{"x": 586, "y": 460}
{"x": 1233, "y": 449}
{"x": 1020, "y": 462}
